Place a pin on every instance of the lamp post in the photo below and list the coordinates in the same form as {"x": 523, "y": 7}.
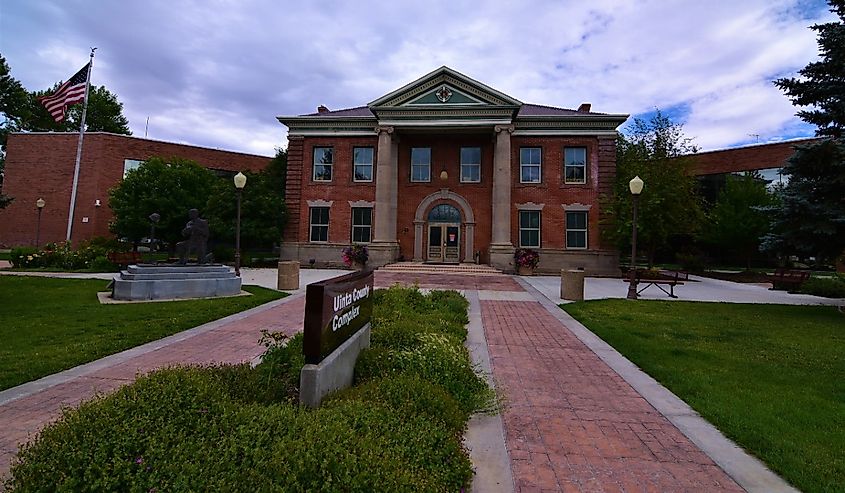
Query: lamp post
{"x": 240, "y": 182}
{"x": 636, "y": 186}
{"x": 155, "y": 217}
{"x": 39, "y": 204}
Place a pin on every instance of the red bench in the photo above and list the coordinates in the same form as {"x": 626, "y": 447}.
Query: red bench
{"x": 788, "y": 279}
{"x": 124, "y": 258}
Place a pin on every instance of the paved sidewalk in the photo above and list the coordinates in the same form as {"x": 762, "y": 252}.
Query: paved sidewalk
{"x": 570, "y": 421}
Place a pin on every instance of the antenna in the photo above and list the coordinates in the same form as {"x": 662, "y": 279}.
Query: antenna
{"x": 756, "y": 137}
{"x": 146, "y": 126}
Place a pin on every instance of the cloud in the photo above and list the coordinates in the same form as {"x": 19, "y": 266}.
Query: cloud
{"x": 217, "y": 73}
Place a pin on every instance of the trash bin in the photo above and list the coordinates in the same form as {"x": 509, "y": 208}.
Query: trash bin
{"x": 572, "y": 284}
{"x": 288, "y": 275}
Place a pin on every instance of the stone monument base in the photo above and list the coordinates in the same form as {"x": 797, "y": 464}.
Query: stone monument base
{"x": 159, "y": 282}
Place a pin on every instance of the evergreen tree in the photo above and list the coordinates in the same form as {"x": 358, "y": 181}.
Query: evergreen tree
{"x": 669, "y": 204}
{"x": 811, "y": 219}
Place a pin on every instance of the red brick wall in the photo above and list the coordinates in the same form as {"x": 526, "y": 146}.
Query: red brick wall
{"x": 41, "y": 165}
{"x": 552, "y": 191}
{"x": 748, "y": 158}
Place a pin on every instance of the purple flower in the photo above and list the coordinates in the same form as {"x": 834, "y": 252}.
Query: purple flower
{"x": 139, "y": 460}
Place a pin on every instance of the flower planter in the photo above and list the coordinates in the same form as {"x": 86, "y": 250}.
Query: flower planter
{"x": 524, "y": 270}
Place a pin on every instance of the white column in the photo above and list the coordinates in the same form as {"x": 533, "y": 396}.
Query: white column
{"x": 386, "y": 186}
{"x": 502, "y": 188}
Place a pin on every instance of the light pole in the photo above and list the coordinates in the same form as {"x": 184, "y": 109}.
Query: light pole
{"x": 240, "y": 182}
{"x": 39, "y": 204}
{"x": 636, "y": 186}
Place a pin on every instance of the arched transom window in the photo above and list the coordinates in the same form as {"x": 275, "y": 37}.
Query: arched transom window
{"x": 444, "y": 213}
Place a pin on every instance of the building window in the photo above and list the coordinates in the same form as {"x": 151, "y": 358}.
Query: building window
{"x": 576, "y": 230}
{"x": 319, "y": 224}
{"x": 362, "y": 158}
{"x": 323, "y": 160}
{"x": 421, "y": 164}
{"x": 362, "y": 224}
{"x": 529, "y": 229}
{"x": 130, "y": 164}
{"x": 575, "y": 164}
{"x": 529, "y": 164}
{"x": 470, "y": 164}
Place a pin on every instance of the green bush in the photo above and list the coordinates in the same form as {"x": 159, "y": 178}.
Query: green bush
{"x": 186, "y": 429}
{"x": 24, "y": 257}
{"x": 828, "y": 287}
{"x": 102, "y": 264}
{"x": 223, "y": 253}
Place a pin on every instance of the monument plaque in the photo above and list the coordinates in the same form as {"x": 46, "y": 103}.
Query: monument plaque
{"x": 335, "y": 309}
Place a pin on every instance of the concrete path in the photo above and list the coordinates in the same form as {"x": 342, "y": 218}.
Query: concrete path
{"x": 576, "y": 416}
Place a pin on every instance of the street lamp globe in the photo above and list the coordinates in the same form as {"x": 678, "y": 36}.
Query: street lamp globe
{"x": 240, "y": 180}
{"x": 636, "y": 185}
{"x": 40, "y": 203}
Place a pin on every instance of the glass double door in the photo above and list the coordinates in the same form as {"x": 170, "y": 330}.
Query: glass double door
{"x": 444, "y": 243}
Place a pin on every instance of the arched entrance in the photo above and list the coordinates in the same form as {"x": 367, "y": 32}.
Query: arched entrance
{"x": 458, "y": 211}
{"x": 444, "y": 234}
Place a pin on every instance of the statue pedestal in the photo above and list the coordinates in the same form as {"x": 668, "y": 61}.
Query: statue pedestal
{"x": 165, "y": 282}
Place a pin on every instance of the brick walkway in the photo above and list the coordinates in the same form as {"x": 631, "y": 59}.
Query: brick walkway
{"x": 233, "y": 342}
{"x": 573, "y": 424}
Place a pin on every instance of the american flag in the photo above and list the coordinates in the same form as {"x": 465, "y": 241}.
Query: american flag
{"x": 71, "y": 92}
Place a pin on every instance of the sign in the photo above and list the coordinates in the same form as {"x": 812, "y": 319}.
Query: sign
{"x": 335, "y": 309}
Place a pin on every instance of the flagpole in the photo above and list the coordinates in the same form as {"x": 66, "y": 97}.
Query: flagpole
{"x": 79, "y": 147}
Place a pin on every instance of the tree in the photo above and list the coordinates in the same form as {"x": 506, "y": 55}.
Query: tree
{"x": 13, "y": 100}
{"x": 669, "y": 204}
{"x": 262, "y": 206}
{"x": 738, "y": 219}
{"x": 811, "y": 218}
{"x": 169, "y": 187}
{"x": 105, "y": 114}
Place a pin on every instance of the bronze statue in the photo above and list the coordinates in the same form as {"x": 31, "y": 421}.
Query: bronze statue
{"x": 196, "y": 232}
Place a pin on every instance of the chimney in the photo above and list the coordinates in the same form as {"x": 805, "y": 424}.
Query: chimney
{"x": 322, "y": 109}
{"x": 584, "y": 108}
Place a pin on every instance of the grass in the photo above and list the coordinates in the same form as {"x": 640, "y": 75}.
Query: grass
{"x": 48, "y": 325}
{"x": 770, "y": 377}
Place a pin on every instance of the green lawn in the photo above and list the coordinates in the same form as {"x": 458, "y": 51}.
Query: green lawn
{"x": 770, "y": 377}
{"x": 48, "y": 325}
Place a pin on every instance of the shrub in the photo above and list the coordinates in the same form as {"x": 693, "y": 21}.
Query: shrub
{"x": 186, "y": 429}
{"x": 102, "y": 264}
{"x": 828, "y": 287}
{"x": 280, "y": 367}
{"x": 24, "y": 257}
{"x": 223, "y": 253}
{"x": 355, "y": 254}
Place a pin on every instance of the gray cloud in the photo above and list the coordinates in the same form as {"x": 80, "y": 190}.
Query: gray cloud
{"x": 217, "y": 73}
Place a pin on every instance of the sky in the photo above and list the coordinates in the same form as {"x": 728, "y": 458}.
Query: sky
{"x": 216, "y": 73}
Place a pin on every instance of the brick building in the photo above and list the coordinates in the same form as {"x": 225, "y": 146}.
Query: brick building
{"x": 40, "y": 165}
{"x": 446, "y": 170}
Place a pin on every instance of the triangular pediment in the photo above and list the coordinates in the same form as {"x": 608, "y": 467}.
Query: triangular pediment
{"x": 444, "y": 87}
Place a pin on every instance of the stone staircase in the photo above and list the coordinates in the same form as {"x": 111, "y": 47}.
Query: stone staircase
{"x": 423, "y": 268}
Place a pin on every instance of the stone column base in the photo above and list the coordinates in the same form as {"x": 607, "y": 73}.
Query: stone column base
{"x": 501, "y": 257}
{"x": 382, "y": 253}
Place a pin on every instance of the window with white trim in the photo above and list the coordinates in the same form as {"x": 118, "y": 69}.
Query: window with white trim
{"x": 362, "y": 224}
{"x": 530, "y": 164}
{"x": 576, "y": 230}
{"x": 319, "y": 224}
{"x": 529, "y": 229}
{"x": 323, "y": 162}
{"x": 362, "y": 160}
{"x": 131, "y": 164}
{"x": 470, "y": 164}
{"x": 575, "y": 164}
{"x": 421, "y": 164}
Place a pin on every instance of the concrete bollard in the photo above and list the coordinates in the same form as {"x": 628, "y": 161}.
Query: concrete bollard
{"x": 572, "y": 284}
{"x": 288, "y": 275}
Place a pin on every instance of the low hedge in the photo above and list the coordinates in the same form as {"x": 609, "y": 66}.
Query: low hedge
{"x": 236, "y": 428}
{"x": 827, "y": 287}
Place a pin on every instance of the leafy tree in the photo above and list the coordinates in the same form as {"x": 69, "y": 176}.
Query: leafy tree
{"x": 811, "y": 218}
{"x": 13, "y": 101}
{"x": 169, "y": 187}
{"x": 262, "y": 206}
{"x": 737, "y": 220}
{"x": 669, "y": 204}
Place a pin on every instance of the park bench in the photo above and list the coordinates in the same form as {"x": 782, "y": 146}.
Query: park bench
{"x": 124, "y": 258}
{"x": 670, "y": 278}
{"x": 788, "y": 279}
